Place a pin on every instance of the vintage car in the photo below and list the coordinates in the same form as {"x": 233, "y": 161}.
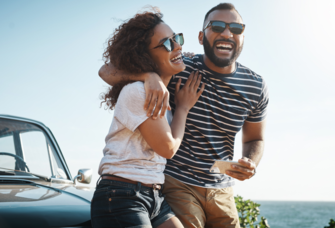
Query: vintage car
{"x": 36, "y": 187}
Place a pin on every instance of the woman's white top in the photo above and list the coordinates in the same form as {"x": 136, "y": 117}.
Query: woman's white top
{"x": 126, "y": 153}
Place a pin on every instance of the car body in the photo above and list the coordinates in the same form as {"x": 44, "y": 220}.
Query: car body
{"x": 36, "y": 186}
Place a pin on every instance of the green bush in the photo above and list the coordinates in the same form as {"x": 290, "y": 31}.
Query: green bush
{"x": 331, "y": 224}
{"x": 248, "y": 212}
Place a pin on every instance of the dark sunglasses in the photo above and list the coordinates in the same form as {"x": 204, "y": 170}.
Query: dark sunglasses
{"x": 220, "y": 26}
{"x": 169, "y": 42}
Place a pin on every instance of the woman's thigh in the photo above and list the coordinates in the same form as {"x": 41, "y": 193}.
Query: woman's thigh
{"x": 118, "y": 207}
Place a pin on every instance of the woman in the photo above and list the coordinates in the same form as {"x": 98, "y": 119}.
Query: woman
{"x": 129, "y": 193}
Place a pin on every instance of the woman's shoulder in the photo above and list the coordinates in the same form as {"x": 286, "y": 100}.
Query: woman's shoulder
{"x": 134, "y": 89}
{"x": 134, "y": 86}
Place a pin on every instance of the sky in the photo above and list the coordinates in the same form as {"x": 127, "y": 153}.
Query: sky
{"x": 51, "y": 51}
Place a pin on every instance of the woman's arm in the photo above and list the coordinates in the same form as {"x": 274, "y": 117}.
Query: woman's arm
{"x": 162, "y": 138}
{"x": 157, "y": 94}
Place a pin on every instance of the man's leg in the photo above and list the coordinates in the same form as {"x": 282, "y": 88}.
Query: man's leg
{"x": 221, "y": 209}
{"x": 186, "y": 202}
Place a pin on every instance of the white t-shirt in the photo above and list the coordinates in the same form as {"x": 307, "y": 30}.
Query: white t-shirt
{"x": 126, "y": 153}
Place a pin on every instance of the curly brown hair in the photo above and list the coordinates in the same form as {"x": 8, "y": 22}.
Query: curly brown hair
{"x": 128, "y": 50}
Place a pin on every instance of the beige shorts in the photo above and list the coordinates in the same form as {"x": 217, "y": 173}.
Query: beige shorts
{"x": 201, "y": 207}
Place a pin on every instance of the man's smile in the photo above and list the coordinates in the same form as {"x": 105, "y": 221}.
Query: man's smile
{"x": 224, "y": 47}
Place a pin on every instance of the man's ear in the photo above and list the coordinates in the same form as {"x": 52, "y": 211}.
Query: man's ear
{"x": 201, "y": 37}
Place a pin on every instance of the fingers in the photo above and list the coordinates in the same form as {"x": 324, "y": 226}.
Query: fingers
{"x": 165, "y": 105}
{"x": 247, "y": 162}
{"x": 194, "y": 80}
{"x": 237, "y": 175}
{"x": 201, "y": 90}
{"x": 189, "y": 80}
{"x": 242, "y": 169}
{"x": 178, "y": 85}
{"x": 147, "y": 100}
{"x": 158, "y": 106}
{"x": 153, "y": 101}
{"x": 196, "y": 85}
{"x": 188, "y": 54}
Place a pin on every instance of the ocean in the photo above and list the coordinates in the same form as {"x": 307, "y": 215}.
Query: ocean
{"x": 297, "y": 214}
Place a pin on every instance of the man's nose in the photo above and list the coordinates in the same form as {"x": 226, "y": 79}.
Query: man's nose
{"x": 226, "y": 33}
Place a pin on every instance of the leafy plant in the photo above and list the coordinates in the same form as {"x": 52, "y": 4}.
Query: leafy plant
{"x": 248, "y": 212}
{"x": 331, "y": 224}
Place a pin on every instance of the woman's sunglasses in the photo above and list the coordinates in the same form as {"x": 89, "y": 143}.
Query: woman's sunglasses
{"x": 169, "y": 42}
{"x": 220, "y": 26}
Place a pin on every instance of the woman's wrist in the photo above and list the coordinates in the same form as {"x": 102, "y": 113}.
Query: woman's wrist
{"x": 182, "y": 108}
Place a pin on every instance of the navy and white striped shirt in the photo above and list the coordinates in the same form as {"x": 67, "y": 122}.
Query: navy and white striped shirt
{"x": 227, "y": 101}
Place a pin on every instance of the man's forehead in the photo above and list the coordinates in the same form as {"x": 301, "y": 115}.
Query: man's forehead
{"x": 224, "y": 15}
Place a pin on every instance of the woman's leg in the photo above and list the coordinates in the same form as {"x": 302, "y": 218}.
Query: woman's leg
{"x": 115, "y": 205}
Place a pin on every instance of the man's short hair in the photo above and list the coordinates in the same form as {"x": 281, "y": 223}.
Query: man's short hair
{"x": 222, "y": 6}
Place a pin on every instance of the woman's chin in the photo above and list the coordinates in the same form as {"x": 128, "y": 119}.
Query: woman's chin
{"x": 179, "y": 67}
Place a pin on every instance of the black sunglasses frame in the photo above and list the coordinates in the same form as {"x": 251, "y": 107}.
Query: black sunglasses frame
{"x": 171, "y": 39}
{"x": 224, "y": 26}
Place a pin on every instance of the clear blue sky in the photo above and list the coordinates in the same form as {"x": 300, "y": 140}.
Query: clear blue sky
{"x": 51, "y": 51}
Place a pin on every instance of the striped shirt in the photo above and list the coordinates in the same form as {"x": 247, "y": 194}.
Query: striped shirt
{"x": 227, "y": 101}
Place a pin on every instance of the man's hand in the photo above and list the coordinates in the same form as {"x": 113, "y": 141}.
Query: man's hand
{"x": 157, "y": 96}
{"x": 188, "y": 54}
{"x": 245, "y": 170}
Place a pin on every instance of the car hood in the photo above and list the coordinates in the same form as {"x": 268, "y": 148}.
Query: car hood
{"x": 44, "y": 205}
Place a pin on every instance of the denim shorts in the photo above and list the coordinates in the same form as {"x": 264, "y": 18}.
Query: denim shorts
{"x": 120, "y": 204}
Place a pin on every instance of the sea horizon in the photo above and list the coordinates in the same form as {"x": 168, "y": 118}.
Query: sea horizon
{"x": 302, "y": 214}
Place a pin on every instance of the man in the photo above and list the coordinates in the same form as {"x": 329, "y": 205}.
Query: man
{"x": 234, "y": 98}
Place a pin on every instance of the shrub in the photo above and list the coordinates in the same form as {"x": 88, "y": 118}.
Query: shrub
{"x": 331, "y": 224}
{"x": 248, "y": 212}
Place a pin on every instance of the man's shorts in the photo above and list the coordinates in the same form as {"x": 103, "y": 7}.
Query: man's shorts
{"x": 201, "y": 207}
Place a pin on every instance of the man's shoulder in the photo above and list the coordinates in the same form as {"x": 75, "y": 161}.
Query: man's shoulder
{"x": 194, "y": 62}
{"x": 246, "y": 72}
{"x": 191, "y": 64}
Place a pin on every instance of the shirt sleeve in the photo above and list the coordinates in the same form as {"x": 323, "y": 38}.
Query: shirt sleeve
{"x": 260, "y": 112}
{"x": 129, "y": 109}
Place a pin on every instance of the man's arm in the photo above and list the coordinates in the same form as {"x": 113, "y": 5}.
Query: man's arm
{"x": 252, "y": 150}
{"x": 157, "y": 95}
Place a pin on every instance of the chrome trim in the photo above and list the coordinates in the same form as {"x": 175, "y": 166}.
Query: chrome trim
{"x": 50, "y": 159}
{"x": 56, "y": 180}
{"x": 18, "y": 177}
{"x": 49, "y": 133}
{"x": 75, "y": 179}
{"x": 49, "y": 187}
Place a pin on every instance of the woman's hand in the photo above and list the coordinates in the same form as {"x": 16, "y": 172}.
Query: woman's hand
{"x": 186, "y": 97}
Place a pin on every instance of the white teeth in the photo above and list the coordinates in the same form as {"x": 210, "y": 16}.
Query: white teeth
{"x": 177, "y": 57}
{"x": 224, "y": 45}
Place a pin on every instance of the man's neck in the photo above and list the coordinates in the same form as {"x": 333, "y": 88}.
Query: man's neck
{"x": 221, "y": 70}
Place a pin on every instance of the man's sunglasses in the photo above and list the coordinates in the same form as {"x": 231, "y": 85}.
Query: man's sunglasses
{"x": 169, "y": 42}
{"x": 220, "y": 26}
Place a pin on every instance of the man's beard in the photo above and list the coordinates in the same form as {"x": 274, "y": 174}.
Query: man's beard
{"x": 209, "y": 52}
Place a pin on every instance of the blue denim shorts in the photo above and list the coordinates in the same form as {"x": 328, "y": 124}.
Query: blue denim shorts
{"x": 120, "y": 204}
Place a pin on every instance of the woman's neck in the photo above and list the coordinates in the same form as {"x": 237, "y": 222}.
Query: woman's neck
{"x": 166, "y": 79}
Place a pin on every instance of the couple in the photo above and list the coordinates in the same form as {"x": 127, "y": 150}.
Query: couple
{"x": 212, "y": 98}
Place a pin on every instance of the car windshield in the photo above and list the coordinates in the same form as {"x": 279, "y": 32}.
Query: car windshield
{"x": 26, "y": 147}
